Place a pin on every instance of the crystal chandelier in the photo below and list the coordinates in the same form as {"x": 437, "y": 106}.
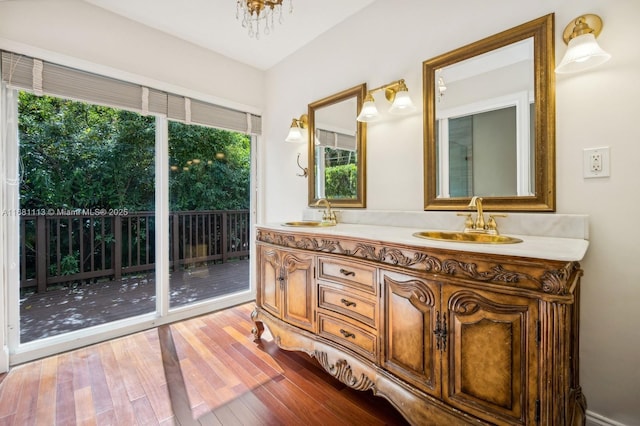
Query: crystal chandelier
{"x": 257, "y": 13}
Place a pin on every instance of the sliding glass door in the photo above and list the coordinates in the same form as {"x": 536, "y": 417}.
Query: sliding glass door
{"x": 87, "y": 215}
{"x": 87, "y": 219}
{"x": 124, "y": 206}
{"x": 209, "y": 181}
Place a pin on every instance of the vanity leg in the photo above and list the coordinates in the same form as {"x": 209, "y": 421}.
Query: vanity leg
{"x": 259, "y": 326}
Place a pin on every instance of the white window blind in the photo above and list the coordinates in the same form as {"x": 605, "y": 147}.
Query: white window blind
{"x": 41, "y": 77}
{"x": 335, "y": 140}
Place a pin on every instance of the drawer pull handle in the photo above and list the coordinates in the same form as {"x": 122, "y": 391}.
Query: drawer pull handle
{"x": 347, "y": 334}
{"x": 348, "y": 303}
{"x": 347, "y": 273}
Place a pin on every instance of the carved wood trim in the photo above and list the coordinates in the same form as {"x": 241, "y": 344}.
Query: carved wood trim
{"x": 341, "y": 370}
{"x": 468, "y": 303}
{"x": 415, "y": 291}
{"x": 558, "y": 281}
{"x": 291, "y": 262}
{"x": 496, "y": 273}
{"x": 551, "y": 277}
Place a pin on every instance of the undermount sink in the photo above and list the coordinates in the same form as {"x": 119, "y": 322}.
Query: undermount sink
{"x": 466, "y": 237}
{"x": 308, "y": 224}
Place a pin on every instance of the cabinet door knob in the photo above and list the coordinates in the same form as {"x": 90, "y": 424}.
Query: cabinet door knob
{"x": 347, "y": 273}
{"x": 348, "y": 303}
{"x": 347, "y": 334}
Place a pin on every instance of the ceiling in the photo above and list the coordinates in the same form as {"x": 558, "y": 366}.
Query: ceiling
{"x": 212, "y": 24}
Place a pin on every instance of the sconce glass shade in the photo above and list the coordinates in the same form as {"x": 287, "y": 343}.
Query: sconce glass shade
{"x": 402, "y": 103}
{"x": 298, "y": 131}
{"x": 295, "y": 135}
{"x": 442, "y": 87}
{"x": 369, "y": 111}
{"x": 583, "y": 53}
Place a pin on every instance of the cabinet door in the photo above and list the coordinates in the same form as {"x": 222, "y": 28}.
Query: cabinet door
{"x": 410, "y": 347}
{"x": 490, "y": 365}
{"x": 299, "y": 290}
{"x": 270, "y": 280}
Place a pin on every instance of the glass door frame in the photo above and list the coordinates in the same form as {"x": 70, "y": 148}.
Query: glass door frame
{"x": 14, "y": 352}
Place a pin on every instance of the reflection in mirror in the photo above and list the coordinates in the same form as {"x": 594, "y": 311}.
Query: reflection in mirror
{"x": 336, "y": 149}
{"x": 489, "y": 122}
{"x": 483, "y": 111}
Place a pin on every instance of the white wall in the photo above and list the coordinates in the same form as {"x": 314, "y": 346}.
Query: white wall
{"x": 71, "y": 30}
{"x": 389, "y": 40}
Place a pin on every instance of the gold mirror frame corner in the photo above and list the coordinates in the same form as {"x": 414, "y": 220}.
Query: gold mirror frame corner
{"x": 542, "y": 31}
{"x": 360, "y": 201}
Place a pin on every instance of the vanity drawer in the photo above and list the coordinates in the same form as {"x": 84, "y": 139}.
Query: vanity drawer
{"x": 360, "y": 308}
{"x": 353, "y": 274}
{"x": 355, "y": 338}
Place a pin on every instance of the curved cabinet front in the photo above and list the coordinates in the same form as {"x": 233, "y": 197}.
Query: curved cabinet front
{"x": 287, "y": 289}
{"x": 447, "y": 337}
{"x": 411, "y": 334}
{"x": 491, "y": 353}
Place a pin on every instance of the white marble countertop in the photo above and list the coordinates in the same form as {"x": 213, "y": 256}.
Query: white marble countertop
{"x": 540, "y": 247}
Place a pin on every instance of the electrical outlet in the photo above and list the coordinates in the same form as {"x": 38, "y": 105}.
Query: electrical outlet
{"x": 596, "y": 162}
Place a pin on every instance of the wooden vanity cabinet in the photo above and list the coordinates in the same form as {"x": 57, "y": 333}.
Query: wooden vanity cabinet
{"x": 491, "y": 360}
{"x": 287, "y": 288}
{"x": 447, "y": 337}
{"x": 411, "y": 330}
{"x": 471, "y": 348}
{"x": 348, "y": 304}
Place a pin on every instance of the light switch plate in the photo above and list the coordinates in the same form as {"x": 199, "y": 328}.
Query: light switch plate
{"x": 596, "y": 162}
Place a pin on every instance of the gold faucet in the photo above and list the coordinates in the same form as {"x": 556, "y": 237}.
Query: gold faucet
{"x": 328, "y": 216}
{"x": 476, "y": 202}
{"x": 480, "y": 225}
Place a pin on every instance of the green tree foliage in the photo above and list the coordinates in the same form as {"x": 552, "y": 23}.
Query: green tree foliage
{"x": 210, "y": 168}
{"x": 76, "y": 155}
{"x": 341, "y": 173}
{"x": 341, "y": 181}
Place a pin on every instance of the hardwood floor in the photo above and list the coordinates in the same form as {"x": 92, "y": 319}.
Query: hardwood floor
{"x": 202, "y": 371}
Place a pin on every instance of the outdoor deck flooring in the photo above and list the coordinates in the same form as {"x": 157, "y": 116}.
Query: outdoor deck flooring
{"x": 68, "y": 309}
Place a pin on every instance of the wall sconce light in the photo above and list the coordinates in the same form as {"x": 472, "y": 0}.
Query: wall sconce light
{"x": 298, "y": 131}
{"x": 583, "y": 51}
{"x": 442, "y": 87}
{"x": 396, "y": 93}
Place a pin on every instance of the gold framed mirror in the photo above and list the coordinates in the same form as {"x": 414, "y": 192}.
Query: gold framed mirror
{"x": 489, "y": 122}
{"x": 337, "y": 149}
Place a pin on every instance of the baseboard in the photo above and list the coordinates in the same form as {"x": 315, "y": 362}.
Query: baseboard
{"x": 595, "y": 419}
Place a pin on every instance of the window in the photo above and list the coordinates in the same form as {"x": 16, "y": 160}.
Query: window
{"x": 87, "y": 215}
{"x": 97, "y": 192}
{"x": 336, "y": 160}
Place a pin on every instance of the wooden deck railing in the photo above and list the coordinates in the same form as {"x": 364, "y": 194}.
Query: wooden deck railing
{"x": 58, "y": 249}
